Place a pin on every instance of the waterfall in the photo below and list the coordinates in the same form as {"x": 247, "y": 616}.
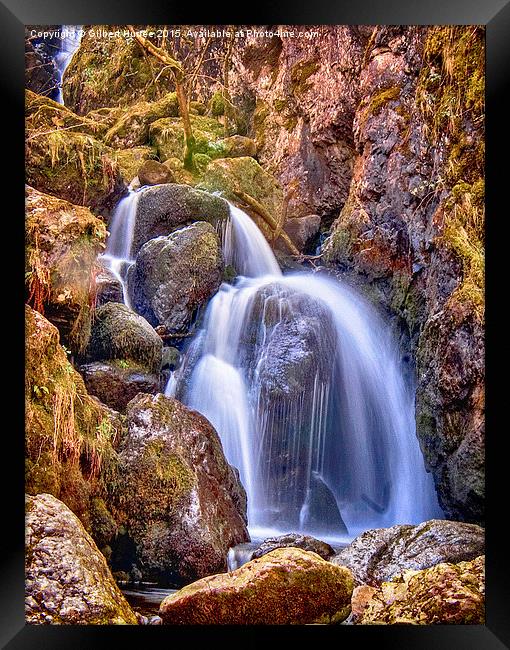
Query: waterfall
{"x": 300, "y": 377}
{"x": 69, "y": 43}
{"x": 117, "y": 256}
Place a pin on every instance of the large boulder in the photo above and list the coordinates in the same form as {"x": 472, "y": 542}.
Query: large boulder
{"x": 444, "y": 594}
{"x": 174, "y": 275}
{"x": 119, "y": 333}
{"x": 67, "y": 580}
{"x": 288, "y": 586}
{"x": 163, "y": 208}
{"x": 167, "y": 136}
{"x": 69, "y": 435}
{"x": 115, "y": 383}
{"x": 381, "y": 554}
{"x": 62, "y": 243}
{"x": 182, "y": 505}
{"x": 63, "y": 158}
{"x": 295, "y": 540}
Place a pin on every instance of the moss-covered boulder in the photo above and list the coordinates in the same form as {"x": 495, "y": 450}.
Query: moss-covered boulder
{"x": 67, "y": 580}
{"x": 295, "y": 540}
{"x": 111, "y": 71}
{"x": 182, "y": 506}
{"x": 115, "y": 383}
{"x": 288, "y": 586}
{"x": 162, "y": 209}
{"x": 72, "y": 165}
{"x": 69, "y": 435}
{"x": 119, "y": 333}
{"x": 132, "y": 127}
{"x": 233, "y": 175}
{"x": 154, "y": 173}
{"x": 445, "y": 594}
{"x": 167, "y": 136}
{"x": 130, "y": 160}
{"x": 236, "y": 146}
{"x": 174, "y": 276}
{"x": 62, "y": 241}
{"x": 381, "y": 554}
{"x": 44, "y": 113}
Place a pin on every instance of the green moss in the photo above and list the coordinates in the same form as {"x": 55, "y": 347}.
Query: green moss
{"x": 299, "y": 74}
{"x": 217, "y": 104}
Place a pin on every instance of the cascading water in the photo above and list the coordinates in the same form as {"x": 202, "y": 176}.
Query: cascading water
{"x": 303, "y": 383}
{"x": 70, "y": 41}
{"x": 117, "y": 256}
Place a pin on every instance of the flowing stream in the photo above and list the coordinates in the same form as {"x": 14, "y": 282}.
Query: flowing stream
{"x": 303, "y": 382}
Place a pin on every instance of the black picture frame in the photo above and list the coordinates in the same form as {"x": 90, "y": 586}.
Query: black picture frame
{"x": 14, "y": 14}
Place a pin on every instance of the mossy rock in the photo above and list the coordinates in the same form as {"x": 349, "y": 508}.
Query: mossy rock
{"x": 229, "y": 175}
{"x": 444, "y": 594}
{"x": 217, "y": 104}
{"x": 174, "y": 276}
{"x": 167, "y": 136}
{"x": 287, "y": 586}
{"x": 44, "y": 113}
{"x": 130, "y": 160}
{"x": 67, "y": 580}
{"x": 112, "y": 72}
{"x": 69, "y": 435}
{"x": 162, "y": 209}
{"x": 62, "y": 243}
{"x": 197, "y": 108}
{"x": 181, "y": 503}
{"x": 132, "y": 127}
{"x": 73, "y": 166}
{"x": 120, "y": 333}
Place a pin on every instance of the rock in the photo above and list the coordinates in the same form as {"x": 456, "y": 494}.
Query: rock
{"x": 197, "y": 108}
{"x": 320, "y": 510}
{"x": 238, "y": 145}
{"x": 115, "y": 383}
{"x": 40, "y": 71}
{"x": 295, "y": 540}
{"x": 381, "y": 554}
{"x": 182, "y": 504}
{"x": 69, "y": 435}
{"x": 67, "y": 580}
{"x": 61, "y": 246}
{"x": 301, "y": 231}
{"x": 229, "y": 175}
{"x": 68, "y": 163}
{"x": 120, "y": 333}
{"x": 174, "y": 276}
{"x": 108, "y": 286}
{"x": 167, "y": 135}
{"x": 443, "y": 594}
{"x": 113, "y": 71}
{"x": 162, "y": 209}
{"x": 44, "y": 113}
{"x": 284, "y": 587}
{"x": 171, "y": 358}
{"x": 132, "y": 127}
{"x": 154, "y": 173}
{"x": 130, "y": 161}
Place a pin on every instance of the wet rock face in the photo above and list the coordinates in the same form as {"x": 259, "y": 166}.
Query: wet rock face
{"x": 304, "y": 100}
{"x": 162, "y": 209}
{"x": 173, "y": 276}
{"x": 284, "y": 587}
{"x": 182, "y": 504}
{"x": 108, "y": 286}
{"x": 116, "y": 383}
{"x": 295, "y": 540}
{"x": 382, "y": 554}
{"x": 443, "y": 594}
{"x": 67, "y": 579}
{"x": 41, "y": 74}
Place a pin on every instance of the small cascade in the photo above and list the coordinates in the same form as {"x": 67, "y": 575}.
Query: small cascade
{"x": 300, "y": 377}
{"x": 70, "y": 41}
{"x": 117, "y": 256}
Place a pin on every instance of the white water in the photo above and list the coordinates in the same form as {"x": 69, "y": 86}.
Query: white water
{"x": 117, "y": 256}
{"x": 69, "y": 44}
{"x": 349, "y": 425}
